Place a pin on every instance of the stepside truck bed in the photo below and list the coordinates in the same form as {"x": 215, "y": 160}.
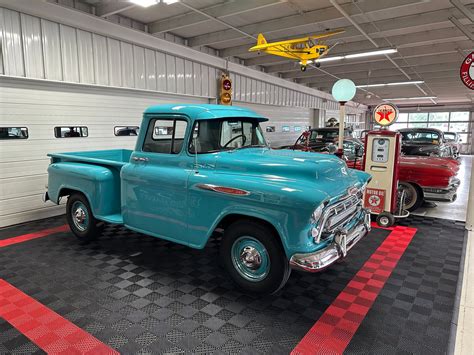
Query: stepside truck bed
{"x": 114, "y": 157}
{"x": 96, "y": 173}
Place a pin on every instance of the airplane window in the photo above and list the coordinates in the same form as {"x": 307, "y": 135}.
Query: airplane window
{"x": 13, "y": 133}
{"x": 71, "y": 132}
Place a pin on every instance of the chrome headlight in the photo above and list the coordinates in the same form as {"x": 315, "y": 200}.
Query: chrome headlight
{"x": 318, "y": 213}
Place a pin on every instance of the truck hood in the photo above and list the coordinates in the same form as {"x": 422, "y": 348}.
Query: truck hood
{"x": 289, "y": 165}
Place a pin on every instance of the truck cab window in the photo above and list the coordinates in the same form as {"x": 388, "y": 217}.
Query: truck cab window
{"x": 226, "y": 134}
{"x": 13, "y": 133}
{"x": 165, "y": 136}
{"x": 71, "y": 132}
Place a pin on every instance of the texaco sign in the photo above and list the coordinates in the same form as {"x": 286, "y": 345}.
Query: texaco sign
{"x": 467, "y": 71}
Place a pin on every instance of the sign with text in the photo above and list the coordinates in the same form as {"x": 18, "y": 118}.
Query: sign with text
{"x": 374, "y": 200}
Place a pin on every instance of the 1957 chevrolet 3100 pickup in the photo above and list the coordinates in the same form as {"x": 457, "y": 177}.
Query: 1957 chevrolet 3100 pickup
{"x": 198, "y": 169}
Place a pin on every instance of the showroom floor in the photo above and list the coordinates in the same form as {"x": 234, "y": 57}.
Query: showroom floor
{"x": 457, "y": 209}
{"x": 395, "y": 292}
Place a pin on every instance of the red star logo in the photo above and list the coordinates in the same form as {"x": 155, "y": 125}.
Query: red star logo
{"x": 384, "y": 114}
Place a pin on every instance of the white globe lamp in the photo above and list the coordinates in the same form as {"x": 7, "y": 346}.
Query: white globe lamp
{"x": 343, "y": 90}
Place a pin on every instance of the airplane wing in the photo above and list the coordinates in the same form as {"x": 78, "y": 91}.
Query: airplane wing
{"x": 327, "y": 34}
{"x": 266, "y": 45}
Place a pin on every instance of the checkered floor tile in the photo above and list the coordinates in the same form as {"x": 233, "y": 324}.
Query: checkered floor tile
{"x": 139, "y": 294}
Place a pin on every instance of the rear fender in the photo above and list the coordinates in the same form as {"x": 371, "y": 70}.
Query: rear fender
{"x": 99, "y": 184}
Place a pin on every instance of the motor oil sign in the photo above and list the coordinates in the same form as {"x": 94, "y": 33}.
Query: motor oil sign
{"x": 467, "y": 71}
{"x": 374, "y": 200}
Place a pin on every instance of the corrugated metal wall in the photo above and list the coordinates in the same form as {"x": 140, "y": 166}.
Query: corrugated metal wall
{"x": 42, "y": 49}
{"x": 40, "y": 107}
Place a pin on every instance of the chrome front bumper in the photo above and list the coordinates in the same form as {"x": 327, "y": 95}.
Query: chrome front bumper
{"x": 343, "y": 242}
{"x": 442, "y": 195}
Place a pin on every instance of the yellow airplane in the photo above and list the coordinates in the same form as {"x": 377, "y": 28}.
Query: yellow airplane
{"x": 306, "y": 49}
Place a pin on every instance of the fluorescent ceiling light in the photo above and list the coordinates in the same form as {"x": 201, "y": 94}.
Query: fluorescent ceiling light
{"x": 366, "y": 54}
{"x": 392, "y": 84}
{"x": 355, "y": 55}
{"x": 169, "y": 2}
{"x": 144, "y": 3}
{"x": 329, "y": 59}
{"x": 412, "y": 98}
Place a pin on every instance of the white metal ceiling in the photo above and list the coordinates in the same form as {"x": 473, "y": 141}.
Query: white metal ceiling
{"x": 430, "y": 45}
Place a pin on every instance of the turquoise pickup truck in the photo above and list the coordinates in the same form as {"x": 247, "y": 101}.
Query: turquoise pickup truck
{"x": 198, "y": 170}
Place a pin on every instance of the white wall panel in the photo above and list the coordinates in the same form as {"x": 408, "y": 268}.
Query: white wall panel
{"x": 115, "y": 62}
{"x": 212, "y": 82}
{"x": 204, "y": 80}
{"x": 188, "y": 77}
{"x": 52, "y": 50}
{"x": 171, "y": 73}
{"x": 180, "y": 75}
{"x": 258, "y": 92}
{"x": 1, "y": 39}
{"x": 150, "y": 65}
{"x": 40, "y": 107}
{"x": 139, "y": 65}
{"x": 86, "y": 57}
{"x": 126, "y": 55}
{"x": 236, "y": 87}
{"x": 161, "y": 71}
{"x": 100, "y": 60}
{"x": 197, "y": 79}
{"x": 69, "y": 54}
{"x": 32, "y": 48}
{"x": 11, "y": 46}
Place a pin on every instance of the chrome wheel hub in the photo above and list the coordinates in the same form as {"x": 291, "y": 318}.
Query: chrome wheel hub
{"x": 80, "y": 215}
{"x": 251, "y": 258}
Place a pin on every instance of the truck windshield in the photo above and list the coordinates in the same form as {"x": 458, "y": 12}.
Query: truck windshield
{"x": 450, "y": 136}
{"x": 211, "y": 136}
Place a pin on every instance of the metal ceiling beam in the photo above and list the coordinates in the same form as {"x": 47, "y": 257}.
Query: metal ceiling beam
{"x": 383, "y": 73}
{"x": 442, "y": 50}
{"x": 403, "y": 41}
{"x": 112, "y": 8}
{"x": 403, "y": 24}
{"x": 310, "y": 17}
{"x": 364, "y": 67}
{"x": 221, "y": 11}
{"x": 462, "y": 28}
{"x": 463, "y": 9}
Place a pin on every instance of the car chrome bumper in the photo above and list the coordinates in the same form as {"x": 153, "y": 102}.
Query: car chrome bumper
{"x": 343, "y": 242}
{"x": 442, "y": 195}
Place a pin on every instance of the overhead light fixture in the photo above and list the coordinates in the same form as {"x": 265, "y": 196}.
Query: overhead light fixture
{"x": 144, "y": 3}
{"x": 367, "y": 54}
{"x": 411, "y": 98}
{"x": 415, "y": 82}
{"x": 355, "y": 55}
{"x": 169, "y": 2}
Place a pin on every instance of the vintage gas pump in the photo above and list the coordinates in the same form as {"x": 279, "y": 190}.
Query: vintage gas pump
{"x": 381, "y": 160}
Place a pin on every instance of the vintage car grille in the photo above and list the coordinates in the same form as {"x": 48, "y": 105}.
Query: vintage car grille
{"x": 339, "y": 214}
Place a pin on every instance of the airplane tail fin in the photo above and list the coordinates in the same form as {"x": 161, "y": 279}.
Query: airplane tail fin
{"x": 261, "y": 39}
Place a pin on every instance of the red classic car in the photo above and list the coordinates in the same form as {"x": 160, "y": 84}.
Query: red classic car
{"x": 422, "y": 177}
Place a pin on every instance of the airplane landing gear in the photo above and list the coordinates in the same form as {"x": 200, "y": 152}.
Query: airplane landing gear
{"x": 317, "y": 64}
{"x": 303, "y": 68}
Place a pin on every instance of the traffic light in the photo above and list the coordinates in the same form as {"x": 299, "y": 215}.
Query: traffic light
{"x": 225, "y": 97}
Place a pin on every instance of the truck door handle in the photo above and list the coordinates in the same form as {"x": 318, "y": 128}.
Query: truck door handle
{"x": 140, "y": 159}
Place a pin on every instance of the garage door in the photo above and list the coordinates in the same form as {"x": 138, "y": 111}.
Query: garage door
{"x": 40, "y": 107}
